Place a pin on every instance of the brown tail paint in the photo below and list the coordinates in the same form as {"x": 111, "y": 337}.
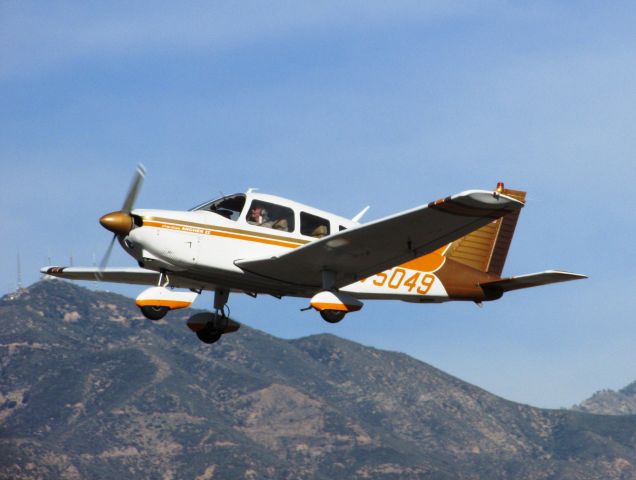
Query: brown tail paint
{"x": 486, "y": 249}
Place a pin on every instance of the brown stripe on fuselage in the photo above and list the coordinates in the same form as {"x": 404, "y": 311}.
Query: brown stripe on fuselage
{"x": 215, "y": 230}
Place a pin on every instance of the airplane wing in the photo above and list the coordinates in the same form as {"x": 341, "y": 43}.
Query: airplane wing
{"x": 531, "y": 280}
{"x": 373, "y": 247}
{"x": 139, "y": 276}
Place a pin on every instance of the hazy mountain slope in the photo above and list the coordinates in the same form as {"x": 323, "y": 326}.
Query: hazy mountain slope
{"x": 90, "y": 389}
{"x": 609, "y": 402}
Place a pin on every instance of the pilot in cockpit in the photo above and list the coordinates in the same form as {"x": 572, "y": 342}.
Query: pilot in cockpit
{"x": 257, "y": 216}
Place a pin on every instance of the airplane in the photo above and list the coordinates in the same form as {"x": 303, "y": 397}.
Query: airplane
{"x": 452, "y": 249}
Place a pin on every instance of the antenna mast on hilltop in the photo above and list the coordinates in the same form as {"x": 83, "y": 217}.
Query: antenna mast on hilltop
{"x": 19, "y": 272}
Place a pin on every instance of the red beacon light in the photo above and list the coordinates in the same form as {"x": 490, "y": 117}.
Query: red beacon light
{"x": 499, "y": 190}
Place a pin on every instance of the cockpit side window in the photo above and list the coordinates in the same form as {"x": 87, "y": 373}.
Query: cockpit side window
{"x": 313, "y": 226}
{"x": 228, "y": 207}
{"x": 270, "y": 215}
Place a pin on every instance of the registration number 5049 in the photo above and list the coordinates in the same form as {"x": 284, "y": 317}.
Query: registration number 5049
{"x": 397, "y": 278}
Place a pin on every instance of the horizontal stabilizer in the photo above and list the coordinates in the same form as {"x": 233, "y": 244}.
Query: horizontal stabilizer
{"x": 531, "y": 280}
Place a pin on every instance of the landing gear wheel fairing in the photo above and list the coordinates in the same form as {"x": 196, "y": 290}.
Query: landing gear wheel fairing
{"x": 332, "y": 316}
{"x": 154, "y": 313}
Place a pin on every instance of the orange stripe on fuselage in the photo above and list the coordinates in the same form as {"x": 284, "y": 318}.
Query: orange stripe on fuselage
{"x": 254, "y": 239}
{"x": 426, "y": 263}
{"x": 210, "y": 231}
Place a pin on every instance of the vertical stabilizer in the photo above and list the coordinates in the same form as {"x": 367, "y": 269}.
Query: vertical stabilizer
{"x": 486, "y": 249}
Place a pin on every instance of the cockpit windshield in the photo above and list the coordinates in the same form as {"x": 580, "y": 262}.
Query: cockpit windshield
{"x": 229, "y": 207}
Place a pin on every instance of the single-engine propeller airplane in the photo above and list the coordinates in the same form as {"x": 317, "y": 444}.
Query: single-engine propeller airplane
{"x": 253, "y": 243}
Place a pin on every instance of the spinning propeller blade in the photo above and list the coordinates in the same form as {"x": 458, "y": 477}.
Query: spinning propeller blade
{"x": 104, "y": 262}
{"x": 120, "y": 222}
{"x": 133, "y": 191}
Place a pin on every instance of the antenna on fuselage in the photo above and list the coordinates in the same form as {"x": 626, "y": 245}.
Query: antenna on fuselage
{"x": 251, "y": 189}
{"x": 361, "y": 214}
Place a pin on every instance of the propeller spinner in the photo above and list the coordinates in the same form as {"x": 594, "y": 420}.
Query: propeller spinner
{"x": 121, "y": 222}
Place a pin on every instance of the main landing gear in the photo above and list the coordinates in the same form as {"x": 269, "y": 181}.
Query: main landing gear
{"x": 332, "y": 316}
{"x": 153, "y": 312}
{"x": 156, "y": 302}
{"x": 334, "y": 305}
{"x": 210, "y": 326}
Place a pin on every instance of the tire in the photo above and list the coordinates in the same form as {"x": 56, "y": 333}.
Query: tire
{"x": 154, "y": 313}
{"x": 209, "y": 338}
{"x": 332, "y": 316}
{"x": 209, "y": 334}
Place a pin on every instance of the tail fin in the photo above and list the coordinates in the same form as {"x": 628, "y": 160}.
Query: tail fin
{"x": 486, "y": 249}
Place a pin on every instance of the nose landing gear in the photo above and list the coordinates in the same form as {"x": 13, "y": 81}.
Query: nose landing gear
{"x": 208, "y": 334}
{"x": 210, "y": 326}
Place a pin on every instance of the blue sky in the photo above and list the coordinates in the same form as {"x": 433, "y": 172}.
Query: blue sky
{"x": 339, "y": 106}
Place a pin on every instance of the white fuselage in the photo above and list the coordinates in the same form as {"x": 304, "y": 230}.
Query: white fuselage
{"x": 202, "y": 247}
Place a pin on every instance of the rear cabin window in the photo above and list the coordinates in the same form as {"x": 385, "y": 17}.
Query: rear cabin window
{"x": 270, "y": 215}
{"x": 228, "y": 207}
{"x": 313, "y": 226}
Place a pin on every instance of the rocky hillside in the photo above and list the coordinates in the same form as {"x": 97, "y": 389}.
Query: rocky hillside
{"x": 610, "y": 402}
{"x": 90, "y": 389}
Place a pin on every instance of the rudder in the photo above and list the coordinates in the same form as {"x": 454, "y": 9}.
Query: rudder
{"x": 486, "y": 249}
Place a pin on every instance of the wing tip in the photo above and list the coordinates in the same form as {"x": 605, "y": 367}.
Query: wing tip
{"x": 478, "y": 203}
{"x": 489, "y": 198}
{"x": 52, "y": 269}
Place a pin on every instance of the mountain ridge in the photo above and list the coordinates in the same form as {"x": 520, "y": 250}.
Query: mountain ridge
{"x": 89, "y": 388}
{"x": 611, "y": 402}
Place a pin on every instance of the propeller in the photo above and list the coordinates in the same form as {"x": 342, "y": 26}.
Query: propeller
{"x": 120, "y": 222}
{"x": 133, "y": 191}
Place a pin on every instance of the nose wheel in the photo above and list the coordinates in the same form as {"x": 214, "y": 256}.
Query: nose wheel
{"x": 209, "y": 326}
{"x": 210, "y": 333}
